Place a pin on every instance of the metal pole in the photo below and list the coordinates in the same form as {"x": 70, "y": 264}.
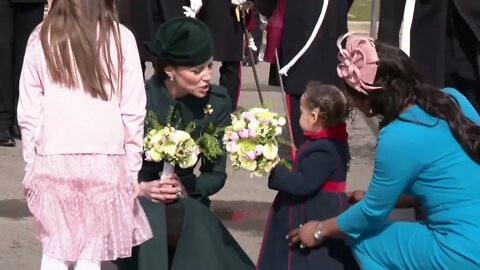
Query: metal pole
{"x": 251, "y": 58}
{"x": 375, "y": 18}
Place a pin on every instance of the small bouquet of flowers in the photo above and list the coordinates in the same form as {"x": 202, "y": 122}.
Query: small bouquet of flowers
{"x": 252, "y": 140}
{"x": 172, "y": 146}
{"x": 177, "y": 147}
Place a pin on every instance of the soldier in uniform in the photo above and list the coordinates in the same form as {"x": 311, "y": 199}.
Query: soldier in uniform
{"x": 143, "y": 17}
{"x": 319, "y": 62}
{"x": 187, "y": 235}
{"x": 445, "y": 42}
{"x": 391, "y": 17}
{"x": 227, "y": 34}
{"x": 18, "y": 18}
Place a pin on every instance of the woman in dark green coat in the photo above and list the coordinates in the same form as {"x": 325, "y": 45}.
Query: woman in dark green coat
{"x": 187, "y": 235}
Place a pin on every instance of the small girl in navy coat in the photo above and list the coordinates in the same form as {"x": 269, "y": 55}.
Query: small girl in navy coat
{"x": 314, "y": 189}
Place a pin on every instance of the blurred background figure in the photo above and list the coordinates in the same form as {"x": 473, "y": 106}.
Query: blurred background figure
{"x": 18, "y": 18}
{"x": 445, "y": 42}
{"x": 391, "y": 17}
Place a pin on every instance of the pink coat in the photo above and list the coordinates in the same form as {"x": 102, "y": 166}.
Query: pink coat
{"x": 56, "y": 120}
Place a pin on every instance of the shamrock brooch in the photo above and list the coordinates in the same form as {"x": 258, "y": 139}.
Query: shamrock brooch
{"x": 208, "y": 110}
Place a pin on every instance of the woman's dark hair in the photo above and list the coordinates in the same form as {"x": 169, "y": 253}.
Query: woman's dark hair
{"x": 402, "y": 84}
{"x": 159, "y": 64}
{"x": 328, "y": 99}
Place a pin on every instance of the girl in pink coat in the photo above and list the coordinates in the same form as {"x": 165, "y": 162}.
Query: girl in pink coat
{"x": 81, "y": 111}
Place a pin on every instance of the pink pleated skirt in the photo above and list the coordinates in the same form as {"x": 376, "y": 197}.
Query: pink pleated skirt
{"x": 84, "y": 207}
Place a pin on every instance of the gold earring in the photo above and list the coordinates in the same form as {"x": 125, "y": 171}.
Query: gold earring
{"x": 171, "y": 78}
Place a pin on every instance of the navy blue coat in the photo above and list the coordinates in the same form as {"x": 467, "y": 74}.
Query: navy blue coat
{"x": 303, "y": 196}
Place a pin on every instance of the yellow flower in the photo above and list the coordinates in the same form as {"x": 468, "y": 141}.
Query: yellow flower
{"x": 208, "y": 110}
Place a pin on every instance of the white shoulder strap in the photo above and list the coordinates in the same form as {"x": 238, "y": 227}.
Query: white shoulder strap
{"x": 284, "y": 70}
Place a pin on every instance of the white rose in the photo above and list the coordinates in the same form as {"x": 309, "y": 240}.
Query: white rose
{"x": 278, "y": 131}
{"x": 281, "y": 121}
{"x": 253, "y": 125}
{"x": 239, "y": 125}
{"x": 179, "y": 136}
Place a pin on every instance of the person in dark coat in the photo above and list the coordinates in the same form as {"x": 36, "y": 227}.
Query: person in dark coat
{"x": 143, "y": 17}
{"x": 18, "y": 18}
{"x": 390, "y": 22}
{"x": 445, "y": 43}
{"x": 227, "y": 34}
{"x": 137, "y": 16}
{"x": 319, "y": 61}
{"x": 315, "y": 188}
{"x": 187, "y": 235}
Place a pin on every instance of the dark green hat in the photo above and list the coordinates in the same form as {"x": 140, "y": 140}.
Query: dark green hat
{"x": 183, "y": 41}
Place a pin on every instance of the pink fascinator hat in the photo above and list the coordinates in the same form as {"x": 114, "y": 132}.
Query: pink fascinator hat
{"x": 358, "y": 62}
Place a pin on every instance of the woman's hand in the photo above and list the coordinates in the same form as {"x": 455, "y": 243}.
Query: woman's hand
{"x": 155, "y": 191}
{"x": 175, "y": 188}
{"x": 355, "y": 196}
{"x": 304, "y": 235}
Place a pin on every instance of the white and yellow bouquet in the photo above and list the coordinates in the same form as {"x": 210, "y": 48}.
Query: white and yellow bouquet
{"x": 176, "y": 147}
{"x": 171, "y": 145}
{"x": 252, "y": 140}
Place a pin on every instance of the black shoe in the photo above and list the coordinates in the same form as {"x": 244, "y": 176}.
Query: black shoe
{"x": 16, "y": 132}
{"x": 6, "y": 139}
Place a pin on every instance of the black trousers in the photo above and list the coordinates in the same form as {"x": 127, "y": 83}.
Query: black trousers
{"x": 17, "y": 22}
{"x": 390, "y": 22}
{"x": 230, "y": 78}
{"x": 462, "y": 57}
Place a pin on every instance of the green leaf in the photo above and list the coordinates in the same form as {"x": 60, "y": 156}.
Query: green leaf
{"x": 286, "y": 164}
{"x": 209, "y": 146}
{"x": 153, "y": 120}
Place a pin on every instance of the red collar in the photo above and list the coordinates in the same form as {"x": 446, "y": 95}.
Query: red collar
{"x": 338, "y": 132}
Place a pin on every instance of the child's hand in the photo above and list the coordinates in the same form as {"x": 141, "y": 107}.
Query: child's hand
{"x": 276, "y": 161}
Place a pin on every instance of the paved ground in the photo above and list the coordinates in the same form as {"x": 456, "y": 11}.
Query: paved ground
{"x": 242, "y": 204}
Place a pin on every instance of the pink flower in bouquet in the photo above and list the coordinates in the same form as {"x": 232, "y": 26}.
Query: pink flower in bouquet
{"x": 252, "y": 134}
{"x": 249, "y": 117}
{"x": 234, "y": 136}
{"x": 251, "y": 155}
{"x": 259, "y": 150}
{"x": 244, "y": 133}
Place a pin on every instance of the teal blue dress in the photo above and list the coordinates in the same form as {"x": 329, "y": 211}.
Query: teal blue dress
{"x": 426, "y": 161}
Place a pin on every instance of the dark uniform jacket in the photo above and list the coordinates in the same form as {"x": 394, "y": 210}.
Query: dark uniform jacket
{"x": 227, "y": 32}
{"x": 320, "y": 60}
{"x": 428, "y": 36}
{"x": 143, "y": 17}
{"x": 204, "y": 242}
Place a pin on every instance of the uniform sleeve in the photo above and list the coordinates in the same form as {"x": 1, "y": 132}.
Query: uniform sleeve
{"x": 30, "y": 101}
{"x": 314, "y": 170}
{"x": 396, "y": 167}
{"x": 132, "y": 104}
{"x": 213, "y": 173}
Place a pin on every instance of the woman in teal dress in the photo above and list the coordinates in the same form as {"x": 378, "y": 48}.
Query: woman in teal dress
{"x": 186, "y": 234}
{"x": 428, "y": 154}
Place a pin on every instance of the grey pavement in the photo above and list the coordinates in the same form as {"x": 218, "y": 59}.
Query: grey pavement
{"x": 242, "y": 204}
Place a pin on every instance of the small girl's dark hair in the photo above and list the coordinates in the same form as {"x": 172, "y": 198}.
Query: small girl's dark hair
{"x": 328, "y": 99}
